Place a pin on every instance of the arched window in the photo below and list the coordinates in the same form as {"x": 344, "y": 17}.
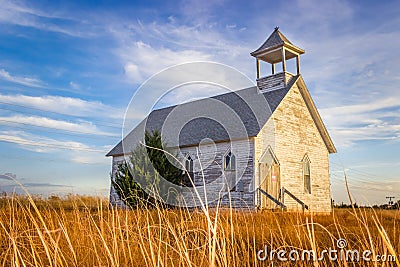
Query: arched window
{"x": 188, "y": 173}
{"x": 307, "y": 175}
{"x": 189, "y": 164}
{"x": 230, "y": 162}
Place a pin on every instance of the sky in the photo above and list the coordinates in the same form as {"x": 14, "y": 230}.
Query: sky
{"x": 68, "y": 70}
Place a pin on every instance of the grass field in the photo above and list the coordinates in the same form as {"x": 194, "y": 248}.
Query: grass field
{"x": 83, "y": 231}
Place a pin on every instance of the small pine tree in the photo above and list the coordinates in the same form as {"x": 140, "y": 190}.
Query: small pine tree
{"x": 127, "y": 187}
{"x": 144, "y": 168}
{"x": 161, "y": 160}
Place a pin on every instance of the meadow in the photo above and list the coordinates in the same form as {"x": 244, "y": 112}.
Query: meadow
{"x": 85, "y": 231}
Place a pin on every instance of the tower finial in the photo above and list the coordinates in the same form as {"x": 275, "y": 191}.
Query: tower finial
{"x": 276, "y": 28}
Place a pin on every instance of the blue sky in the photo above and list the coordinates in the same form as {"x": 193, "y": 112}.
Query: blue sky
{"x": 68, "y": 70}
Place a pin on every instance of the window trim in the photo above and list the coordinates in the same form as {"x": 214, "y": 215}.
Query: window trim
{"x": 231, "y": 156}
{"x": 189, "y": 164}
{"x": 307, "y": 188}
{"x": 271, "y": 153}
{"x": 230, "y": 171}
{"x": 188, "y": 172}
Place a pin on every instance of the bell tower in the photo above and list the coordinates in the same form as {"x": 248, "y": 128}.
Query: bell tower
{"x": 276, "y": 49}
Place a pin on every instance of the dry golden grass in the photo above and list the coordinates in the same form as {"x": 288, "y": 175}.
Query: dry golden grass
{"x": 86, "y": 232}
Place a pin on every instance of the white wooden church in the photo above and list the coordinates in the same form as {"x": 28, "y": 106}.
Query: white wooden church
{"x": 288, "y": 163}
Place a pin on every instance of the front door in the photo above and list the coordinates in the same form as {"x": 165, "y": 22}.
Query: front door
{"x": 270, "y": 182}
{"x": 274, "y": 181}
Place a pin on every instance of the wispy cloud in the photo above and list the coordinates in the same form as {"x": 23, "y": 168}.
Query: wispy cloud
{"x": 27, "y": 81}
{"x": 42, "y": 144}
{"x": 378, "y": 120}
{"x": 66, "y": 105}
{"x": 82, "y": 127}
{"x": 362, "y": 108}
{"x": 38, "y": 184}
{"x": 74, "y": 151}
{"x": 25, "y": 14}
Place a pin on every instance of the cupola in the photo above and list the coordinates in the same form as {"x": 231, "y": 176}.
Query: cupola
{"x": 276, "y": 49}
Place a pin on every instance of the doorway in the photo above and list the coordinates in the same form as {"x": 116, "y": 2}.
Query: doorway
{"x": 269, "y": 178}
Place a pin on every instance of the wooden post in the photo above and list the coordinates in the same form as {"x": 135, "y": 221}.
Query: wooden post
{"x": 298, "y": 64}
{"x": 273, "y": 68}
{"x": 283, "y": 60}
{"x": 258, "y": 68}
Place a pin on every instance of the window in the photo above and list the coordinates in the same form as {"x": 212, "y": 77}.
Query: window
{"x": 307, "y": 175}
{"x": 189, "y": 164}
{"x": 230, "y": 162}
{"x": 188, "y": 172}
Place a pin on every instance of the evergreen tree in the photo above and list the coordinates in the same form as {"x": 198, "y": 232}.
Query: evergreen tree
{"x": 143, "y": 171}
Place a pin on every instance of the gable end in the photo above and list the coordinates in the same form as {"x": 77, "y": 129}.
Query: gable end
{"x": 315, "y": 115}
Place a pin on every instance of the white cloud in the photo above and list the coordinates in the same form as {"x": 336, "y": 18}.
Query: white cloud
{"x": 24, "y": 14}
{"x": 132, "y": 72}
{"x": 64, "y": 105}
{"x": 365, "y": 107}
{"x": 83, "y": 127}
{"x": 27, "y": 81}
{"x": 71, "y": 150}
{"x": 348, "y": 136}
{"x": 366, "y": 121}
{"x": 91, "y": 158}
{"x": 74, "y": 85}
{"x": 42, "y": 144}
{"x": 143, "y": 60}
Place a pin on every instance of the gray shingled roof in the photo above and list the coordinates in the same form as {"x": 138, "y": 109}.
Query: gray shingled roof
{"x": 241, "y": 113}
{"x": 276, "y": 38}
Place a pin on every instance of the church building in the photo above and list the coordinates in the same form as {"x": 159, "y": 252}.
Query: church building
{"x": 281, "y": 157}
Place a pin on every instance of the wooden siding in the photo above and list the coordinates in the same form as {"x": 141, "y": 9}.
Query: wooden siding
{"x": 114, "y": 198}
{"x": 274, "y": 82}
{"x": 212, "y": 161}
{"x": 292, "y": 133}
{"x": 217, "y": 187}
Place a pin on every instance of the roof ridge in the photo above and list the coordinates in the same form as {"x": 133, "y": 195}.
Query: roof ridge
{"x": 184, "y": 103}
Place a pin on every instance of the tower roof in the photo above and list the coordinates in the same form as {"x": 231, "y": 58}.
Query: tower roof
{"x": 276, "y": 40}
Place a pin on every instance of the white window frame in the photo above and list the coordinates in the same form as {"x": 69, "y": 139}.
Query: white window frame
{"x": 231, "y": 156}
{"x": 307, "y": 188}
